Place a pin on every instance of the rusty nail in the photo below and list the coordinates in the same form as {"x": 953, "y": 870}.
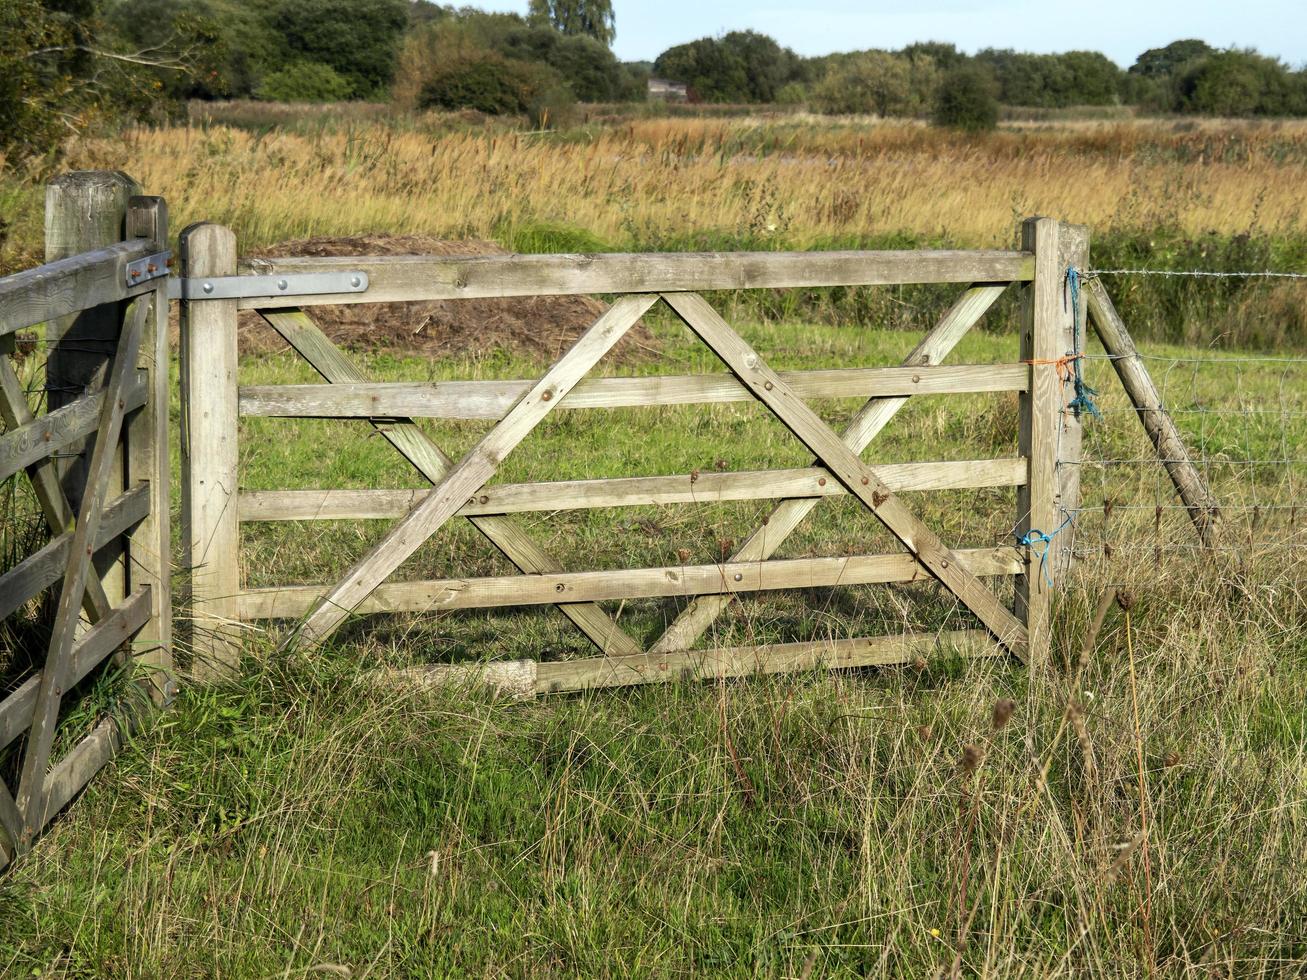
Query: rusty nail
{"x": 151, "y": 268}
{"x": 865, "y": 481}
{"x": 547, "y": 396}
{"x": 821, "y": 481}
{"x": 136, "y": 273}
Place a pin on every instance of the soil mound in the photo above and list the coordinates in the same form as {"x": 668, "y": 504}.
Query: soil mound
{"x": 543, "y": 326}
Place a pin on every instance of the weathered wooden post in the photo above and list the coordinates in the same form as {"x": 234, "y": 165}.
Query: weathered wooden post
{"x": 86, "y": 210}
{"x": 146, "y": 436}
{"x": 210, "y": 532}
{"x": 1042, "y": 343}
{"x": 1073, "y": 250}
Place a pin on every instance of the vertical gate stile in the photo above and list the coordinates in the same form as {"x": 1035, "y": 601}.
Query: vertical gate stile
{"x": 1041, "y": 346}
{"x": 146, "y": 436}
{"x": 210, "y": 532}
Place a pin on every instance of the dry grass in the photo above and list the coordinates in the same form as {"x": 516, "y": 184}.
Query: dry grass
{"x": 648, "y": 181}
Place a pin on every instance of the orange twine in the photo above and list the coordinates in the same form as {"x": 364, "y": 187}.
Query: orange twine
{"x": 1063, "y": 365}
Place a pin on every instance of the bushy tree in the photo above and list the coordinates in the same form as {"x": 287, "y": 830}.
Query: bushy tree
{"x": 304, "y": 81}
{"x": 878, "y": 82}
{"x": 1168, "y": 60}
{"x": 1052, "y": 80}
{"x": 582, "y": 18}
{"x": 358, "y": 39}
{"x": 967, "y": 99}
{"x": 742, "y": 66}
{"x": 1238, "y": 83}
{"x": 488, "y": 82}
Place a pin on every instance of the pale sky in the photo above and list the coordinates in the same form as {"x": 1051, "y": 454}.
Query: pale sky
{"x": 1121, "y": 29}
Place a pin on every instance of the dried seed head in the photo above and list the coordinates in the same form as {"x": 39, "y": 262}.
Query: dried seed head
{"x": 1003, "y": 709}
{"x": 972, "y": 756}
{"x": 1125, "y": 599}
{"x": 1171, "y": 758}
{"x": 924, "y": 733}
{"x": 919, "y": 663}
{"x": 683, "y": 554}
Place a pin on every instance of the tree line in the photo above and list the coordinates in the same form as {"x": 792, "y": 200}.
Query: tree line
{"x": 66, "y": 63}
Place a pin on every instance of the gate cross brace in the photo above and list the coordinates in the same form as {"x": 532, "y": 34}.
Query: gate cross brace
{"x": 455, "y": 482}
{"x": 787, "y": 515}
{"x": 860, "y": 479}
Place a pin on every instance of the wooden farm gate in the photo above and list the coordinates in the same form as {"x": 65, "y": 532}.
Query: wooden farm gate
{"x": 282, "y": 290}
{"x": 96, "y": 456}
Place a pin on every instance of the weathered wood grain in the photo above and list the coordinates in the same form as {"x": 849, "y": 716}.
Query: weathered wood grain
{"x": 408, "y": 278}
{"x": 1203, "y": 508}
{"x": 209, "y": 449}
{"x": 492, "y": 399}
{"x": 299, "y": 330}
{"x": 866, "y": 424}
{"x": 861, "y": 479}
{"x": 702, "y": 488}
{"x": 1042, "y": 339}
{"x": 69, "y": 285}
{"x": 471, "y": 473}
{"x": 290, "y": 602}
{"x": 45, "y": 566}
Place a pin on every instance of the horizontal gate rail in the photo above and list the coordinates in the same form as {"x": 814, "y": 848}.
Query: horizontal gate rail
{"x": 404, "y": 278}
{"x": 493, "y": 399}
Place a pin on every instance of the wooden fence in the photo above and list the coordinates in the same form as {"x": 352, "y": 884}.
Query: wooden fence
{"x": 215, "y": 506}
{"x": 96, "y": 456}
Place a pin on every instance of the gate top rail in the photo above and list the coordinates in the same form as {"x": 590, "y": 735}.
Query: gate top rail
{"x": 407, "y": 278}
{"x": 79, "y": 282}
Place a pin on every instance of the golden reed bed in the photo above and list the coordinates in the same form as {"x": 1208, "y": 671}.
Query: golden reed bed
{"x": 794, "y": 178}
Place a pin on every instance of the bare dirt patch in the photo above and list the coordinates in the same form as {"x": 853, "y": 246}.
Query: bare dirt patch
{"x": 543, "y": 326}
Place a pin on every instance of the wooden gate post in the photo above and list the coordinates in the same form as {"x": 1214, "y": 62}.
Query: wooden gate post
{"x": 210, "y": 533}
{"x": 86, "y": 210}
{"x": 1042, "y": 343}
{"x": 146, "y": 436}
{"x": 1073, "y": 250}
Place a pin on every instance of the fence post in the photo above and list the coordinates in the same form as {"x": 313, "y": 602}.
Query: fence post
{"x": 1073, "y": 250}
{"x": 1042, "y": 338}
{"x": 146, "y": 437}
{"x": 86, "y": 210}
{"x": 210, "y": 533}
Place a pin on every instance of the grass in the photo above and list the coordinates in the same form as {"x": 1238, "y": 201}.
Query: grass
{"x": 951, "y": 818}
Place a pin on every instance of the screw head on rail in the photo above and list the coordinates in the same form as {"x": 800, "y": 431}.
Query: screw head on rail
{"x": 283, "y": 285}
{"x": 207, "y": 287}
{"x": 355, "y": 281}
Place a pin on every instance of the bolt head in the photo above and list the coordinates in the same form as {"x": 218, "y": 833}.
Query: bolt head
{"x": 283, "y": 285}
{"x": 739, "y": 577}
{"x": 355, "y": 281}
{"x": 207, "y": 287}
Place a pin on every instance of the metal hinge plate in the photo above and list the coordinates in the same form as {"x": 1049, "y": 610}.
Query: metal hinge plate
{"x": 257, "y": 287}
{"x": 150, "y": 267}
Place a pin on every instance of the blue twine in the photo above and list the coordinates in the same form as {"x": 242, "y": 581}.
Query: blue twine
{"x": 1084, "y": 399}
{"x": 1035, "y": 536}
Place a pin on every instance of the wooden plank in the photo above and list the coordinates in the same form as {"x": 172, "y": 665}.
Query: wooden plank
{"x": 210, "y": 531}
{"x": 394, "y": 278}
{"x": 85, "y": 211}
{"x": 1073, "y": 253}
{"x": 80, "y": 765}
{"x": 92, "y": 648}
{"x": 150, "y": 543}
{"x": 491, "y": 399}
{"x": 105, "y": 461}
{"x": 697, "y": 488}
{"x": 29, "y": 443}
{"x": 731, "y": 578}
{"x": 45, "y": 566}
{"x": 416, "y": 446}
{"x": 1202, "y": 506}
{"x": 68, "y": 286}
{"x": 527, "y": 678}
{"x": 470, "y": 474}
{"x": 861, "y": 479}
{"x": 11, "y": 827}
{"x": 1042, "y": 338}
{"x": 867, "y": 423}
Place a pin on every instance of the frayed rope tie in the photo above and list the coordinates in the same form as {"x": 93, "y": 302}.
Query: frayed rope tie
{"x": 1035, "y": 536}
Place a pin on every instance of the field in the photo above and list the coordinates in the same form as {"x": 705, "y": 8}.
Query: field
{"x": 1136, "y": 808}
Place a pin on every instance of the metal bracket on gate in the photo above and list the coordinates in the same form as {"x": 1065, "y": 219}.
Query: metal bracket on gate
{"x": 151, "y": 267}
{"x": 258, "y": 287}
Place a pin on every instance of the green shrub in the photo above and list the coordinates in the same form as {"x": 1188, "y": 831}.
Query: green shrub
{"x": 490, "y": 83}
{"x": 966, "y": 99}
{"x": 305, "y": 81}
